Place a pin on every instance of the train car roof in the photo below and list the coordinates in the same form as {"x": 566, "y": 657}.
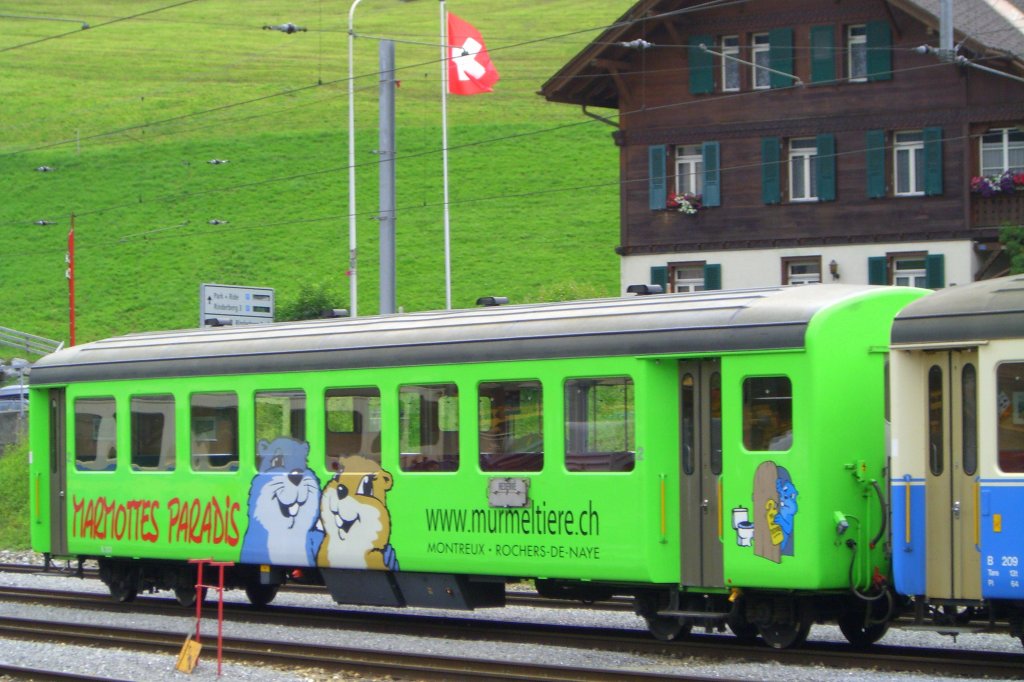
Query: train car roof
{"x": 989, "y": 309}
{"x": 714, "y": 321}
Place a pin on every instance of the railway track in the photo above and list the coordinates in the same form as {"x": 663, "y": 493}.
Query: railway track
{"x": 705, "y": 647}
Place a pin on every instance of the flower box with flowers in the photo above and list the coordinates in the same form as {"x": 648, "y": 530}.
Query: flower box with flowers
{"x": 684, "y": 203}
{"x": 991, "y": 185}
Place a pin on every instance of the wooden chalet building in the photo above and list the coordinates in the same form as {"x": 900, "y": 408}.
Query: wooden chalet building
{"x": 824, "y": 141}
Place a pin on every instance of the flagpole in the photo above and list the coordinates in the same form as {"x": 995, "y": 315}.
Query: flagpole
{"x": 445, "y": 56}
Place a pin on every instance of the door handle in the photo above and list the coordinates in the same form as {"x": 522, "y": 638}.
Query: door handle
{"x": 704, "y": 506}
{"x": 956, "y": 509}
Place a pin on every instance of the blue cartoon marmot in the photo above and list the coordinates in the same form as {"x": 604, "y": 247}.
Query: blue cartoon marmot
{"x": 284, "y": 505}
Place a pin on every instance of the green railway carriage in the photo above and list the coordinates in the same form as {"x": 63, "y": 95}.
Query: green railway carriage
{"x": 715, "y": 455}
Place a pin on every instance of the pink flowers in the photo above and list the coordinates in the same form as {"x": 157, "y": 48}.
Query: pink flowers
{"x": 990, "y": 185}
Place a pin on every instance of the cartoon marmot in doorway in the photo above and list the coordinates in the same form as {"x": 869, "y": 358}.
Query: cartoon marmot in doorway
{"x": 355, "y": 517}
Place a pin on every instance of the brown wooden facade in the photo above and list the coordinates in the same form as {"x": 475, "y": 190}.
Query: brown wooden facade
{"x": 652, "y": 86}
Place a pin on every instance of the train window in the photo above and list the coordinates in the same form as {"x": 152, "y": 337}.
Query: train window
{"x": 767, "y": 413}
{"x": 715, "y": 412}
{"x": 935, "y": 421}
{"x": 95, "y": 434}
{"x": 969, "y": 414}
{"x": 352, "y": 424}
{"x": 511, "y": 433}
{"x": 599, "y": 425}
{"x": 1010, "y": 406}
{"x": 688, "y": 422}
{"x": 428, "y": 438}
{"x": 280, "y": 414}
{"x": 152, "y": 433}
{"x": 214, "y": 429}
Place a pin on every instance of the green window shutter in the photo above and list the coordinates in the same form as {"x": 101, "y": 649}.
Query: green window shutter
{"x": 712, "y": 181}
{"x": 823, "y": 54}
{"x": 935, "y": 271}
{"x": 879, "y": 43}
{"x": 656, "y": 181}
{"x": 825, "y": 168}
{"x": 876, "y": 163}
{"x": 659, "y": 275}
{"x": 702, "y": 65}
{"x": 933, "y": 162}
{"x": 771, "y": 190}
{"x": 780, "y": 57}
{"x": 713, "y": 277}
{"x": 878, "y": 270}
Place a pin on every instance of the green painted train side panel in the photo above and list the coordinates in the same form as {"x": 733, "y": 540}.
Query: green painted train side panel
{"x": 597, "y": 526}
{"x": 838, "y": 448}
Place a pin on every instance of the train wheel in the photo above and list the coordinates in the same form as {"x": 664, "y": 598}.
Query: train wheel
{"x": 260, "y": 595}
{"x": 785, "y": 635}
{"x": 186, "y": 595}
{"x": 744, "y": 630}
{"x": 122, "y": 591}
{"x": 857, "y": 633}
{"x": 666, "y": 628}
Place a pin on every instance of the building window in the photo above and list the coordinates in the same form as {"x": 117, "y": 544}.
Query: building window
{"x": 511, "y": 426}
{"x": 908, "y": 163}
{"x": 761, "y": 76}
{"x": 803, "y": 154}
{"x": 687, "y": 277}
{"x": 599, "y": 424}
{"x": 1002, "y": 149}
{"x": 428, "y": 427}
{"x": 857, "y": 53}
{"x": 152, "y": 433}
{"x": 910, "y": 271}
{"x": 801, "y": 271}
{"x": 730, "y": 67}
{"x": 689, "y": 170}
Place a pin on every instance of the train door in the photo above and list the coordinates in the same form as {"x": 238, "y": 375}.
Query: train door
{"x": 58, "y": 473}
{"x": 700, "y": 389}
{"x": 954, "y": 567}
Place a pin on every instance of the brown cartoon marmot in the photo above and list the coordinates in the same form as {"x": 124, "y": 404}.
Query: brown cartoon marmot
{"x": 355, "y": 517}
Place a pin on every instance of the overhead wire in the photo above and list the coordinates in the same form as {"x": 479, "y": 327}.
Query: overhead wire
{"x": 116, "y": 20}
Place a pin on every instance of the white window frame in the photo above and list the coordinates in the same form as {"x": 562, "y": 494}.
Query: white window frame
{"x": 689, "y": 169}
{"x": 687, "y": 277}
{"x": 731, "y": 49}
{"x": 910, "y": 270}
{"x": 803, "y": 153}
{"x": 760, "y": 77}
{"x": 857, "y": 52}
{"x": 909, "y": 145}
{"x": 1003, "y": 147}
{"x": 812, "y": 274}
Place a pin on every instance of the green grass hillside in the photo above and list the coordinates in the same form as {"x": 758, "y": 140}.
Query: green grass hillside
{"x": 128, "y": 113}
{"x": 14, "y": 502}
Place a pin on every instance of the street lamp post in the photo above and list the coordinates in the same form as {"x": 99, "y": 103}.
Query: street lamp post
{"x": 353, "y": 287}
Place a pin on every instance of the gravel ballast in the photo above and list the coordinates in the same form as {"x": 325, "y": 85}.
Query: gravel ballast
{"x": 135, "y": 666}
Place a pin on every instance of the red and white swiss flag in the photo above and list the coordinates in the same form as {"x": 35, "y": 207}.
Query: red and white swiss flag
{"x": 470, "y": 70}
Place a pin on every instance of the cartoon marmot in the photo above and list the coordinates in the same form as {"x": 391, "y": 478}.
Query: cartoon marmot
{"x": 355, "y": 517}
{"x": 282, "y": 507}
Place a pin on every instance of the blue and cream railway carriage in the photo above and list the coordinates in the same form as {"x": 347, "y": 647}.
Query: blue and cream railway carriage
{"x": 957, "y": 371}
